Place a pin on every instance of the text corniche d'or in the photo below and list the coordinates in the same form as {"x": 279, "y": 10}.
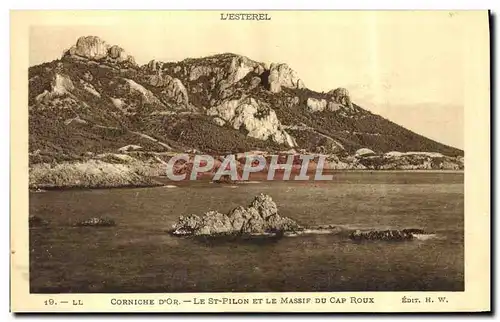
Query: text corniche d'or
{"x": 245, "y": 16}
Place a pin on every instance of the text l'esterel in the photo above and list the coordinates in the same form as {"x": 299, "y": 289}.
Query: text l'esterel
{"x": 245, "y": 16}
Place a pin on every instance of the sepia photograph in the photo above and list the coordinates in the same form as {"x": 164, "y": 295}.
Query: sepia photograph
{"x": 249, "y": 152}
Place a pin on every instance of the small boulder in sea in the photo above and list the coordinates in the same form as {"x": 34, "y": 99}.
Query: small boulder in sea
{"x": 96, "y": 222}
{"x": 388, "y": 235}
{"x": 414, "y": 231}
{"x": 37, "y": 190}
{"x": 35, "y": 221}
{"x": 259, "y": 218}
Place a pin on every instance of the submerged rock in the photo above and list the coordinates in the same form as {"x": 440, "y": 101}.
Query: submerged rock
{"x": 97, "y": 222}
{"x": 260, "y": 218}
{"x": 35, "y": 221}
{"x": 389, "y": 235}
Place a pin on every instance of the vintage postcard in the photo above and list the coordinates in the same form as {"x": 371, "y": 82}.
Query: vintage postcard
{"x": 241, "y": 161}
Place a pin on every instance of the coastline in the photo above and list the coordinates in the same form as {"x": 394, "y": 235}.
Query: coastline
{"x": 163, "y": 180}
{"x": 122, "y": 170}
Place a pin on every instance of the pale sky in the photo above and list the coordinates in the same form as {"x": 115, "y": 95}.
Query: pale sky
{"x": 406, "y": 66}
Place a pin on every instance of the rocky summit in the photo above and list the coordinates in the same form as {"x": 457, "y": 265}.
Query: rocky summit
{"x": 94, "y": 48}
{"x": 96, "y": 100}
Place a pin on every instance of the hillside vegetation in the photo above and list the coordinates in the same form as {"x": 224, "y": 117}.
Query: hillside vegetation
{"x": 95, "y": 99}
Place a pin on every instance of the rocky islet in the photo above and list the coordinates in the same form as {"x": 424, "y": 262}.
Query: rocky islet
{"x": 261, "y": 218}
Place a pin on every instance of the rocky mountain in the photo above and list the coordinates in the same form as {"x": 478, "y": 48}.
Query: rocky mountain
{"x": 96, "y": 99}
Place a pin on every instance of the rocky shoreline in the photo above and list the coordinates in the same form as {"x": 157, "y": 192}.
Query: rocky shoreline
{"x": 95, "y": 174}
{"x": 119, "y": 170}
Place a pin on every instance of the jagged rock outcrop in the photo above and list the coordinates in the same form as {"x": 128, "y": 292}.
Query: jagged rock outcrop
{"x": 336, "y": 99}
{"x": 240, "y": 67}
{"x": 171, "y": 88}
{"x": 255, "y": 118}
{"x": 291, "y": 101}
{"x": 282, "y": 75}
{"x": 320, "y": 105}
{"x": 120, "y": 55}
{"x": 91, "y": 47}
{"x": 60, "y": 85}
{"x": 232, "y": 73}
{"x": 148, "y": 96}
{"x": 333, "y": 106}
{"x": 255, "y": 82}
{"x": 225, "y": 68}
{"x": 90, "y": 88}
{"x": 213, "y": 76}
{"x": 154, "y": 65}
{"x": 203, "y": 70}
{"x": 341, "y": 96}
{"x": 260, "y": 217}
{"x": 94, "y": 48}
{"x": 316, "y": 105}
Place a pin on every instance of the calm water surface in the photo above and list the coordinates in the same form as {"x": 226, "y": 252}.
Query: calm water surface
{"x": 139, "y": 256}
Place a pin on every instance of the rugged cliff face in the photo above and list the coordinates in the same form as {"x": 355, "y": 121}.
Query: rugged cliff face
{"x": 95, "y": 99}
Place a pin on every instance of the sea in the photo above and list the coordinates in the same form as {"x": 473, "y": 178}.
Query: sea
{"x": 138, "y": 255}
